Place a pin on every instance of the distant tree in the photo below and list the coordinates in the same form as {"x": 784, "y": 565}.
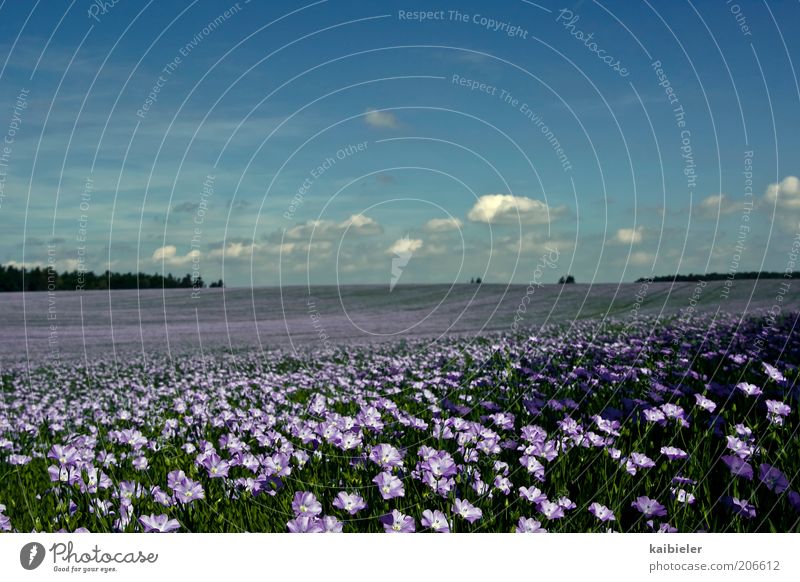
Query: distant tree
{"x": 478, "y": 281}
{"x": 569, "y": 279}
{"x": 217, "y": 284}
{"x": 692, "y": 277}
{"x": 39, "y": 279}
{"x": 472, "y": 281}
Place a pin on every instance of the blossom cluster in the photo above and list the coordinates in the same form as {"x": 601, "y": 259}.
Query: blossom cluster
{"x": 676, "y": 428}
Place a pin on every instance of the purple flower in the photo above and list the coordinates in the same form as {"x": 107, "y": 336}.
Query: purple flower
{"x": 774, "y": 373}
{"x": 551, "y": 510}
{"x": 649, "y": 507}
{"x": 776, "y": 411}
{"x": 69, "y": 475}
{"x": 18, "y": 459}
{"x": 739, "y": 447}
{"x": 533, "y": 434}
{"x": 174, "y": 478}
{"x": 673, "y": 453}
{"x": 683, "y": 480}
{"x": 532, "y": 494}
{"x": 397, "y": 522}
{"x": 654, "y": 415}
{"x": 503, "y": 484}
{"x": 435, "y": 520}
{"x": 533, "y": 466}
{"x": 610, "y": 427}
{"x": 124, "y": 517}
{"x": 107, "y": 459}
{"x": 566, "y": 503}
{"x": 641, "y": 461}
{"x": 128, "y": 491}
{"x": 349, "y": 440}
{"x": 5, "y": 523}
{"x": 66, "y": 456}
{"x": 440, "y": 465}
{"x": 742, "y": 507}
{"x": 132, "y": 437}
{"x": 386, "y": 456}
{"x": 705, "y": 403}
{"x": 216, "y": 467}
{"x": 773, "y": 478}
{"x": 529, "y": 525}
{"x": 160, "y": 496}
{"x": 159, "y": 523}
{"x": 305, "y": 524}
{"x": 504, "y": 420}
{"x": 466, "y": 510}
{"x": 738, "y": 358}
{"x": 277, "y": 465}
{"x": 672, "y": 411}
{"x": 794, "y": 500}
{"x": 738, "y": 467}
{"x": 637, "y": 461}
{"x": 682, "y": 496}
{"x": 352, "y": 503}
{"x": 749, "y": 389}
{"x": 389, "y": 486}
{"x": 305, "y": 504}
{"x": 601, "y": 512}
{"x": 331, "y": 525}
{"x": 778, "y": 407}
{"x": 187, "y": 491}
{"x": 140, "y": 463}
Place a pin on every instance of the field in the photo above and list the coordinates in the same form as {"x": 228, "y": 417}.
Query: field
{"x": 97, "y": 323}
{"x": 608, "y": 412}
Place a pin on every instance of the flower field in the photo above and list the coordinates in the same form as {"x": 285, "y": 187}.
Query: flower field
{"x": 660, "y": 425}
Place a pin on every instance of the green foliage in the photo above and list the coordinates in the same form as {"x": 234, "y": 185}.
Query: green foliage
{"x": 38, "y": 279}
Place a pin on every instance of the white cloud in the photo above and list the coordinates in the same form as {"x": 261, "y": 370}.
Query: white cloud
{"x": 531, "y": 243}
{"x": 361, "y": 223}
{"x": 166, "y": 252}
{"x": 169, "y": 256}
{"x": 641, "y": 258}
{"x": 404, "y": 246}
{"x": 435, "y": 250}
{"x": 509, "y": 209}
{"x": 629, "y": 236}
{"x": 74, "y": 265}
{"x": 300, "y": 248}
{"x": 715, "y": 205}
{"x": 785, "y": 194}
{"x": 234, "y": 250}
{"x": 27, "y": 265}
{"x": 443, "y": 224}
{"x": 381, "y": 119}
{"x": 357, "y": 224}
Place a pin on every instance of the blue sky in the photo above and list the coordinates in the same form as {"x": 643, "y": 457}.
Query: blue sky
{"x": 335, "y": 137}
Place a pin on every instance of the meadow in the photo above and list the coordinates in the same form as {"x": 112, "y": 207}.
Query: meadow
{"x": 646, "y": 424}
{"x": 91, "y": 324}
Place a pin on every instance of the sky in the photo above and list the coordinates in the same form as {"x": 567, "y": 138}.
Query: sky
{"x": 284, "y": 143}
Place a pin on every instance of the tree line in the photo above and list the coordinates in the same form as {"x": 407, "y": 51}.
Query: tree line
{"x": 46, "y": 279}
{"x": 694, "y": 278}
